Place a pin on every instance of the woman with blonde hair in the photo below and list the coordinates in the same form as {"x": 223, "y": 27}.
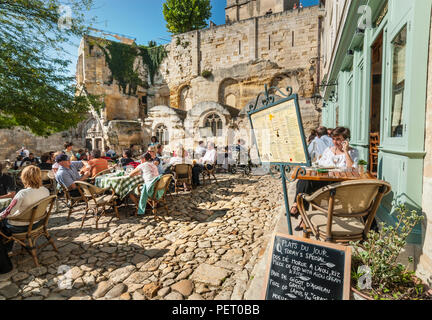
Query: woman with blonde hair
{"x": 31, "y": 177}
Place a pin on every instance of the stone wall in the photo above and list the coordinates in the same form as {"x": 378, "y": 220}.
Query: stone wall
{"x": 425, "y": 266}
{"x": 288, "y": 40}
{"x": 12, "y": 140}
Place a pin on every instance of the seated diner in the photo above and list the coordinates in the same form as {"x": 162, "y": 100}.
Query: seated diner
{"x": 34, "y": 192}
{"x": 340, "y": 156}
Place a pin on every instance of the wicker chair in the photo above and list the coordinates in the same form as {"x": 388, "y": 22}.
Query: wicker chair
{"x": 40, "y": 211}
{"x": 104, "y": 172}
{"x": 208, "y": 173}
{"x": 69, "y": 201}
{"x": 162, "y": 184}
{"x": 47, "y": 176}
{"x": 182, "y": 175}
{"x": 97, "y": 201}
{"x": 342, "y": 212}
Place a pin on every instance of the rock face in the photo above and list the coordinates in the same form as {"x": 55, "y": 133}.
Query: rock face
{"x": 225, "y": 66}
{"x": 208, "y": 250}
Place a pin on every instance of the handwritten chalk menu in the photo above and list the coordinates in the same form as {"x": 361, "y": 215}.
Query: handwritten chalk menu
{"x": 278, "y": 134}
{"x": 304, "y": 269}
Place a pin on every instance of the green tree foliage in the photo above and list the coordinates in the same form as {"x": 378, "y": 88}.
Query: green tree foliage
{"x": 186, "y": 15}
{"x": 121, "y": 58}
{"x": 35, "y": 91}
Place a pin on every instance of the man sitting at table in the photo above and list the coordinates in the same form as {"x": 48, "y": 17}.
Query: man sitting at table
{"x": 68, "y": 173}
{"x": 6, "y": 185}
{"x": 319, "y": 144}
{"x": 339, "y": 156}
{"x": 45, "y": 162}
{"x": 148, "y": 171}
{"x": 210, "y": 156}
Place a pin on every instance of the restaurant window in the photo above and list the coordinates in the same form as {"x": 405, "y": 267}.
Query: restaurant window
{"x": 398, "y": 82}
{"x": 214, "y": 123}
{"x": 162, "y": 134}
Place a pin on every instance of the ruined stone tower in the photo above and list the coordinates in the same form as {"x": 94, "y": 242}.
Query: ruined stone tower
{"x": 237, "y": 10}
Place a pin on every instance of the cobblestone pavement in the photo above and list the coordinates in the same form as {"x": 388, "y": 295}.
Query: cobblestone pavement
{"x": 206, "y": 249}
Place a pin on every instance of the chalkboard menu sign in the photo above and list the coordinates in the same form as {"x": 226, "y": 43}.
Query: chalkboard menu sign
{"x": 304, "y": 269}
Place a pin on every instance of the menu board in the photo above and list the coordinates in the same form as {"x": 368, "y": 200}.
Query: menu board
{"x": 279, "y": 135}
{"x": 304, "y": 269}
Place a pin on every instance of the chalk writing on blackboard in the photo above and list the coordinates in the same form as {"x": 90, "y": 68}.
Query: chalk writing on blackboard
{"x": 308, "y": 270}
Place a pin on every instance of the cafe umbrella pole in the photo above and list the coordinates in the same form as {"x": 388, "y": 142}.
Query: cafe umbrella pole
{"x": 282, "y": 169}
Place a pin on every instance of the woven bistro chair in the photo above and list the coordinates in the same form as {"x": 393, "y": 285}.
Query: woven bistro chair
{"x": 46, "y": 176}
{"x": 182, "y": 175}
{"x": 342, "y": 212}
{"x": 72, "y": 203}
{"x": 162, "y": 184}
{"x": 104, "y": 172}
{"x": 40, "y": 211}
{"x": 97, "y": 201}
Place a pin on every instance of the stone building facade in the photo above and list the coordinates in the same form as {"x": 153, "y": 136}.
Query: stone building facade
{"x": 203, "y": 88}
{"x": 207, "y": 81}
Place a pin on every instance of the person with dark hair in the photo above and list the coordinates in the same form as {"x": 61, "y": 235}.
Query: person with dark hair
{"x": 45, "y": 162}
{"x": 68, "y": 150}
{"x": 109, "y": 152}
{"x": 147, "y": 168}
{"x": 18, "y": 162}
{"x": 153, "y": 141}
{"x": 96, "y": 163}
{"x": 6, "y": 185}
{"x": 30, "y": 159}
{"x": 323, "y": 135}
{"x": 319, "y": 144}
{"x": 78, "y": 154}
{"x": 339, "y": 156}
{"x": 311, "y": 137}
{"x": 127, "y": 158}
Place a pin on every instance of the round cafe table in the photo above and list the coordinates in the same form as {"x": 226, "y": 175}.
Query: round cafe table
{"x": 4, "y": 203}
{"x": 122, "y": 184}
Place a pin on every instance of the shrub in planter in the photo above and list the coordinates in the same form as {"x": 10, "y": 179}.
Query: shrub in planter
{"x": 375, "y": 270}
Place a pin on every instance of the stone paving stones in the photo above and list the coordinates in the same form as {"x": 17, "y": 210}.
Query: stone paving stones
{"x": 206, "y": 248}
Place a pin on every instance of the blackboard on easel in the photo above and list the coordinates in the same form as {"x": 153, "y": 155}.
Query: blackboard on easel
{"x": 305, "y": 269}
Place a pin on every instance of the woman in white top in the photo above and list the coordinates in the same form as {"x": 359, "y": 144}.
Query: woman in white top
{"x": 148, "y": 171}
{"x": 339, "y": 156}
{"x": 31, "y": 177}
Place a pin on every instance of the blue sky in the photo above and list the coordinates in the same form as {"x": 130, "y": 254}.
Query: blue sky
{"x": 141, "y": 19}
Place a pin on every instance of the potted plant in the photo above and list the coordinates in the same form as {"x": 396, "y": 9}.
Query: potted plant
{"x": 376, "y": 274}
{"x": 361, "y": 165}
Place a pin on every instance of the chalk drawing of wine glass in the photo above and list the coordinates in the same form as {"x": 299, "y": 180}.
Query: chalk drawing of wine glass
{"x": 291, "y": 295}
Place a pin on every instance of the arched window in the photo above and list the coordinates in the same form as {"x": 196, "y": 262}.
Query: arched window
{"x": 162, "y": 134}
{"x": 214, "y": 122}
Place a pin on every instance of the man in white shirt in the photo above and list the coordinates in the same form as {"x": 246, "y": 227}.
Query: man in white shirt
{"x": 200, "y": 150}
{"x": 210, "y": 155}
{"x": 322, "y": 133}
{"x": 319, "y": 144}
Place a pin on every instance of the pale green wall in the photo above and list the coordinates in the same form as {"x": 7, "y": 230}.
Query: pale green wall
{"x": 400, "y": 159}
